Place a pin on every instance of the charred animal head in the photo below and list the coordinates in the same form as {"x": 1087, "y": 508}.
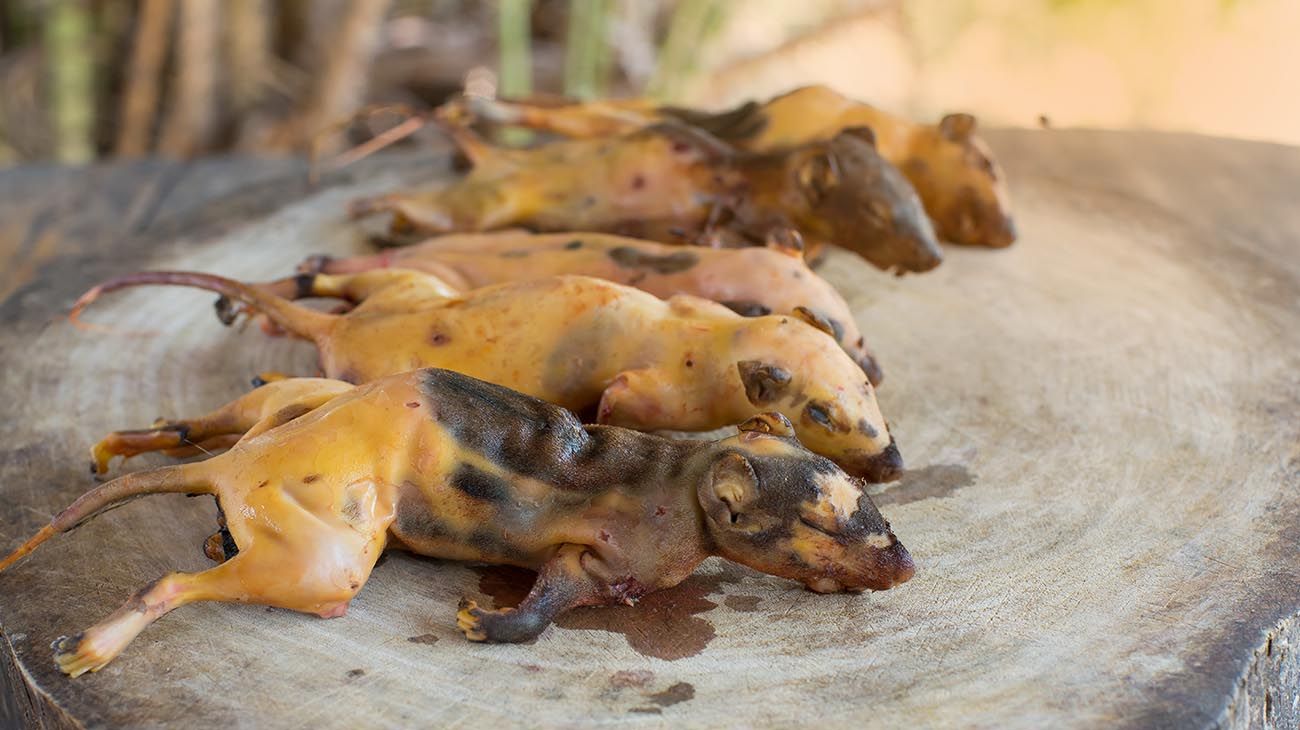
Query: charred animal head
{"x": 776, "y": 507}
{"x": 822, "y": 389}
{"x": 854, "y": 198}
{"x": 962, "y": 185}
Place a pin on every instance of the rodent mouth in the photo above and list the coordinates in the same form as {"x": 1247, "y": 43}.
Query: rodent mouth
{"x": 825, "y": 585}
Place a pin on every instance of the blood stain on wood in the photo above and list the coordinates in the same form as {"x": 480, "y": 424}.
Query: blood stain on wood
{"x": 676, "y": 694}
{"x": 743, "y": 604}
{"x": 935, "y": 481}
{"x": 663, "y": 624}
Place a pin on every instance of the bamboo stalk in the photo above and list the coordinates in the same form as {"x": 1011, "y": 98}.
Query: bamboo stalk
{"x": 143, "y": 77}
{"x": 72, "y": 93}
{"x": 586, "y": 58}
{"x": 514, "y": 34}
{"x": 692, "y": 23}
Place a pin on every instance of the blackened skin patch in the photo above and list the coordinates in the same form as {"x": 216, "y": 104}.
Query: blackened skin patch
{"x": 748, "y": 308}
{"x": 525, "y": 435}
{"x": 672, "y": 263}
{"x": 733, "y": 125}
{"x": 481, "y": 485}
{"x": 764, "y": 382}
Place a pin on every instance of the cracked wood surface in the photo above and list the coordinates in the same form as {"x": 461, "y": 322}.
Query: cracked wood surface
{"x": 1101, "y": 421}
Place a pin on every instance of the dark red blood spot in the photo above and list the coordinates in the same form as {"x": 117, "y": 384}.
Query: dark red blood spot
{"x": 681, "y": 147}
{"x": 603, "y": 535}
{"x": 663, "y": 624}
{"x": 680, "y": 692}
{"x": 690, "y": 362}
{"x": 310, "y": 478}
{"x": 440, "y": 339}
{"x": 638, "y": 182}
{"x": 660, "y": 511}
{"x": 413, "y": 404}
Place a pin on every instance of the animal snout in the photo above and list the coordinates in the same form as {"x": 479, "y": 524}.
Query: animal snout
{"x": 1003, "y": 232}
{"x": 888, "y": 567}
{"x": 917, "y": 237}
{"x": 895, "y": 565}
{"x": 883, "y": 467}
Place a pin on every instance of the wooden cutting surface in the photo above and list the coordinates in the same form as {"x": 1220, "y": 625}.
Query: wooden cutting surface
{"x": 1102, "y": 425}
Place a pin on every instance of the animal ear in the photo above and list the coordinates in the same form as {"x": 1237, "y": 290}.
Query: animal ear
{"x": 957, "y": 127}
{"x": 821, "y": 322}
{"x": 866, "y": 134}
{"x": 773, "y": 423}
{"x": 732, "y": 488}
{"x": 785, "y": 239}
{"x": 819, "y": 175}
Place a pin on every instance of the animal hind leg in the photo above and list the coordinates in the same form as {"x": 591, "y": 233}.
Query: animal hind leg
{"x": 263, "y": 408}
{"x": 265, "y": 574}
{"x": 403, "y": 288}
{"x": 576, "y": 120}
{"x": 92, "y": 649}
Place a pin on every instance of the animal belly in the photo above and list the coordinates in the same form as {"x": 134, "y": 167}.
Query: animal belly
{"x": 471, "y": 529}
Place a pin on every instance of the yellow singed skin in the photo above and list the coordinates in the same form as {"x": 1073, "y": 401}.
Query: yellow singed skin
{"x": 674, "y": 183}
{"x": 589, "y": 345}
{"x": 441, "y": 464}
{"x": 266, "y": 407}
{"x": 951, "y": 168}
{"x": 751, "y": 281}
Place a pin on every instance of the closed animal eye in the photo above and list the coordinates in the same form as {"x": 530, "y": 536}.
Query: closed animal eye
{"x": 813, "y": 525}
{"x": 820, "y": 415}
{"x": 878, "y": 212}
{"x": 818, "y": 176}
{"x": 983, "y": 164}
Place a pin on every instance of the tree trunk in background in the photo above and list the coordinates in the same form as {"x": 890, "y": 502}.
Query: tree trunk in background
{"x": 246, "y": 40}
{"x": 140, "y": 92}
{"x": 190, "y": 112}
{"x": 338, "y": 90}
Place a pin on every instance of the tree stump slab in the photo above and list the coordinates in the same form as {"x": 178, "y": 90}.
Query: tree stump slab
{"x": 1101, "y": 424}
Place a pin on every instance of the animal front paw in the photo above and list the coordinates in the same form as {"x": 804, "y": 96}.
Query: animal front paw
{"x": 469, "y": 619}
{"x": 79, "y": 654}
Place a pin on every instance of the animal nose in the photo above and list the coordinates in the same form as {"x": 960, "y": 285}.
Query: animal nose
{"x": 1006, "y": 237}
{"x": 885, "y": 569}
{"x": 883, "y": 467}
{"x": 897, "y": 563}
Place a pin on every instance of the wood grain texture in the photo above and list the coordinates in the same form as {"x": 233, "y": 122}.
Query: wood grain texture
{"x": 1101, "y": 423}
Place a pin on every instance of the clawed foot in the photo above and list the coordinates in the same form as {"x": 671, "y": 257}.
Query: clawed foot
{"x": 126, "y": 444}
{"x": 79, "y": 654}
{"x": 499, "y": 626}
{"x": 469, "y": 619}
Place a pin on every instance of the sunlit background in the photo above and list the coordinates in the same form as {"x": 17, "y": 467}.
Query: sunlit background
{"x": 85, "y": 79}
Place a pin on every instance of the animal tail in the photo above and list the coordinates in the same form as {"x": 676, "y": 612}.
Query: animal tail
{"x": 299, "y": 320}
{"x": 181, "y": 478}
